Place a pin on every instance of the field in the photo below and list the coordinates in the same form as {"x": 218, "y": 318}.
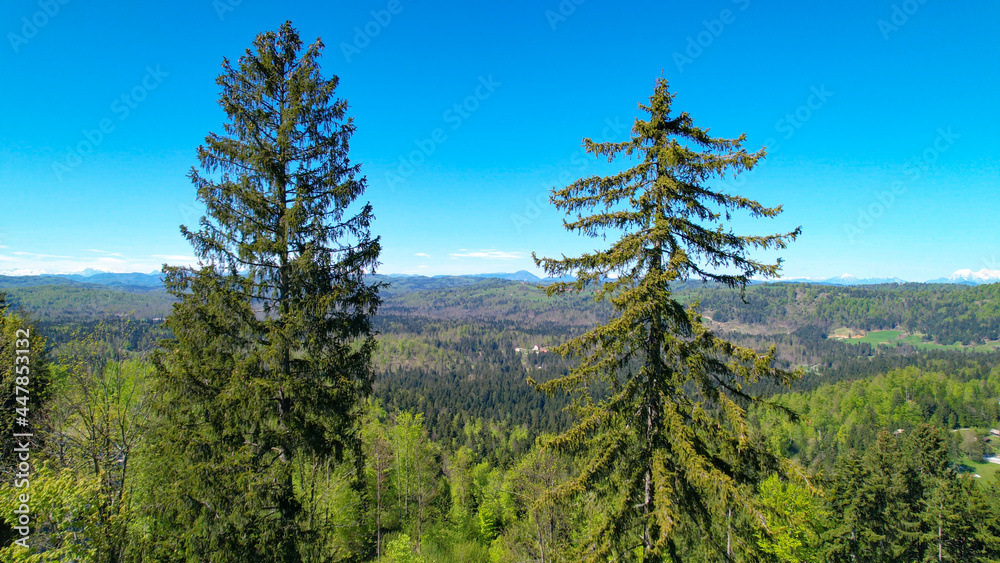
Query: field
{"x": 898, "y": 337}
{"x": 988, "y": 471}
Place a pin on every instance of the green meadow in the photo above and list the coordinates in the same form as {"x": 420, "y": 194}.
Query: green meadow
{"x": 898, "y": 337}
{"x": 987, "y": 471}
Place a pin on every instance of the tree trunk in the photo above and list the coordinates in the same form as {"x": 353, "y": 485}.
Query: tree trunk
{"x": 653, "y": 362}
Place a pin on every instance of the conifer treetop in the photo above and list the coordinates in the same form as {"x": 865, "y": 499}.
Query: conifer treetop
{"x": 665, "y": 202}
{"x": 285, "y": 147}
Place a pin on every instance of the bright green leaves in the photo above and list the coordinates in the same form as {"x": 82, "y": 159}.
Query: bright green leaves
{"x": 65, "y": 520}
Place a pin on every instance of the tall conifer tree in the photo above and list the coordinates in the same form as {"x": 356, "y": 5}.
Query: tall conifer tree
{"x": 661, "y": 399}
{"x": 273, "y": 338}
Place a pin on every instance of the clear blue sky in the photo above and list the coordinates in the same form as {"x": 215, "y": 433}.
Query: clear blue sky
{"x": 854, "y": 100}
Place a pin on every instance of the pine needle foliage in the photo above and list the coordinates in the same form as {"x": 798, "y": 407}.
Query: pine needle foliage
{"x": 661, "y": 400}
{"x": 273, "y": 340}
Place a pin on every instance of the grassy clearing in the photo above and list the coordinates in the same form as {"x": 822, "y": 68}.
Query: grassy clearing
{"x": 987, "y": 471}
{"x": 846, "y": 333}
{"x": 916, "y": 340}
{"x": 880, "y": 337}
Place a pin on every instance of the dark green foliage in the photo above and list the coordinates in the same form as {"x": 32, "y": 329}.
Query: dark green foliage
{"x": 454, "y": 371}
{"x": 839, "y": 418}
{"x": 831, "y": 360}
{"x": 876, "y": 499}
{"x": 272, "y": 334}
{"x": 947, "y": 313}
{"x": 902, "y": 501}
{"x": 59, "y": 300}
{"x": 457, "y": 366}
{"x": 668, "y": 449}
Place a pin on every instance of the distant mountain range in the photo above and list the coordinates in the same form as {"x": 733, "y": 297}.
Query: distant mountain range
{"x": 846, "y": 279}
{"x": 134, "y": 279}
{"x": 963, "y": 277}
{"x": 520, "y": 275}
{"x": 155, "y": 280}
{"x": 525, "y": 276}
{"x": 968, "y": 277}
{"x": 131, "y": 281}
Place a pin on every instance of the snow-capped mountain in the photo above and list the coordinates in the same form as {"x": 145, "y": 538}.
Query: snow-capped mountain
{"x": 968, "y": 277}
{"x": 964, "y": 277}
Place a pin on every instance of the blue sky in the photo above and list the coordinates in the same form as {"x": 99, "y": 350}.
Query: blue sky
{"x": 879, "y": 118}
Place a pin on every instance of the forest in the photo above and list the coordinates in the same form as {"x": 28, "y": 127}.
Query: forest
{"x": 453, "y": 447}
{"x": 651, "y": 402}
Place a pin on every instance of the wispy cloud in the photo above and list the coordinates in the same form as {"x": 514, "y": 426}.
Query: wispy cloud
{"x": 34, "y": 263}
{"x": 424, "y": 255}
{"x": 118, "y": 254}
{"x": 491, "y": 254}
{"x": 40, "y": 256}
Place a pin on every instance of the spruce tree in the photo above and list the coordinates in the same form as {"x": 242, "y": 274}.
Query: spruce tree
{"x": 661, "y": 399}
{"x": 272, "y": 345}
